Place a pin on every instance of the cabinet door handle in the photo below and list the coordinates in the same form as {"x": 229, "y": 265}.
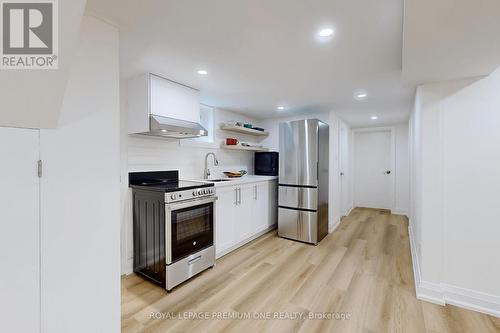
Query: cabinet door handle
{"x": 239, "y": 191}
{"x": 255, "y": 192}
{"x": 236, "y": 194}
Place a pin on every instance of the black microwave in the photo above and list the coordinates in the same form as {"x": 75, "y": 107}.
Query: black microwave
{"x": 266, "y": 163}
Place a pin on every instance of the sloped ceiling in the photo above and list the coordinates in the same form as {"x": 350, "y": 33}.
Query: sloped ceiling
{"x": 450, "y": 39}
{"x": 33, "y": 98}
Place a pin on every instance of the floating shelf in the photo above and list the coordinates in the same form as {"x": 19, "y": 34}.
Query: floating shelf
{"x": 238, "y": 147}
{"x": 241, "y": 129}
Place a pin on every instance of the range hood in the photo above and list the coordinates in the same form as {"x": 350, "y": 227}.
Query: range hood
{"x": 163, "y": 108}
{"x": 174, "y": 128}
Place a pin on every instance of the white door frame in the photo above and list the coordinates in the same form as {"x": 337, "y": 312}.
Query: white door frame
{"x": 344, "y": 211}
{"x": 392, "y": 130}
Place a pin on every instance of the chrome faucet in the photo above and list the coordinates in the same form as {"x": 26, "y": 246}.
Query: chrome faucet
{"x": 206, "y": 172}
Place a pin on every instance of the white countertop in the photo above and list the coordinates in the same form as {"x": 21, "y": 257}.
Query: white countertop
{"x": 243, "y": 180}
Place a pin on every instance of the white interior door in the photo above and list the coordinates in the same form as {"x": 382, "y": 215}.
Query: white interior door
{"x": 373, "y": 168}
{"x": 19, "y": 237}
{"x": 345, "y": 188}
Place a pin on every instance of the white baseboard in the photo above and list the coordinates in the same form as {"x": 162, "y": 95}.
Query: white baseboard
{"x": 443, "y": 294}
{"x": 128, "y": 267}
{"x": 424, "y": 290}
{"x": 332, "y": 226}
{"x": 399, "y": 211}
{"x": 349, "y": 211}
{"x": 430, "y": 292}
{"x": 472, "y": 300}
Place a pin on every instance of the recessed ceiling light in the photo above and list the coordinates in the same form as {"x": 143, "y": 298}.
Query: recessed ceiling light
{"x": 202, "y": 72}
{"x": 163, "y": 130}
{"x": 373, "y": 117}
{"x": 360, "y": 95}
{"x": 280, "y": 108}
{"x": 325, "y": 32}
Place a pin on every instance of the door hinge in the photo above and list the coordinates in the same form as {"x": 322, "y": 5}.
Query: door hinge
{"x": 39, "y": 168}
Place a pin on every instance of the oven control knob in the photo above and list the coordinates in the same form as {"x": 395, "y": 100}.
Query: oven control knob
{"x": 173, "y": 196}
{"x": 200, "y": 192}
{"x": 194, "y": 193}
{"x": 205, "y": 191}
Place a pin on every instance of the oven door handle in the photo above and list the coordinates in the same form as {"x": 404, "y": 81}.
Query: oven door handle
{"x": 191, "y": 203}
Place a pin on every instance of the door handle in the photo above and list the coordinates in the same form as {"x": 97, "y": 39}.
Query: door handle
{"x": 236, "y": 194}
{"x": 239, "y": 195}
{"x": 255, "y": 192}
{"x": 388, "y": 172}
{"x": 341, "y": 173}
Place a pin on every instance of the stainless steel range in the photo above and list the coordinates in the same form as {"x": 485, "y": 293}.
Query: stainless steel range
{"x": 173, "y": 227}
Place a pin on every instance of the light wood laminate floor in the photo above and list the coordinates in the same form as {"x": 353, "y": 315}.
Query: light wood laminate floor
{"x": 363, "y": 268}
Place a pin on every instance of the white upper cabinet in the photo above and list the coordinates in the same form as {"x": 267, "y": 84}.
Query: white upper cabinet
{"x": 150, "y": 94}
{"x": 174, "y": 100}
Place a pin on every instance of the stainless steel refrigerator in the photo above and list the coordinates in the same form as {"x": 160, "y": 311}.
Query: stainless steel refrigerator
{"x": 303, "y": 180}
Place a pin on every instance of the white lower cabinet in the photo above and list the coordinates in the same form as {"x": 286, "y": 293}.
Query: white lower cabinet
{"x": 225, "y": 213}
{"x": 260, "y": 207}
{"x": 242, "y": 212}
{"x": 272, "y": 199}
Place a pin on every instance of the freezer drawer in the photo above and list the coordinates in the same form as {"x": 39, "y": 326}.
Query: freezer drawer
{"x": 298, "y": 225}
{"x": 298, "y": 197}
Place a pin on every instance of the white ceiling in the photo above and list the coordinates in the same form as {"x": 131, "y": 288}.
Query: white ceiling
{"x": 450, "y": 39}
{"x": 261, "y": 53}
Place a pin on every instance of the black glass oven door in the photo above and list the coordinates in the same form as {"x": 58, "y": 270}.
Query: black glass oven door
{"x": 192, "y": 229}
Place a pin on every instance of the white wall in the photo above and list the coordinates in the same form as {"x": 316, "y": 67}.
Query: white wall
{"x": 402, "y": 176}
{"x": 334, "y": 186}
{"x": 80, "y": 191}
{"x": 456, "y": 157}
{"x": 415, "y": 152}
{"x": 346, "y": 162}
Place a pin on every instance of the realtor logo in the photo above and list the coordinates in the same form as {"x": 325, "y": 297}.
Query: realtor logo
{"x": 29, "y": 37}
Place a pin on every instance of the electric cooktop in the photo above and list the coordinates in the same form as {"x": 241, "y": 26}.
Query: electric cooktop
{"x": 165, "y": 181}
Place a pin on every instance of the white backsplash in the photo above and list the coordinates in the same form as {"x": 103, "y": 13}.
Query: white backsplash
{"x": 145, "y": 154}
